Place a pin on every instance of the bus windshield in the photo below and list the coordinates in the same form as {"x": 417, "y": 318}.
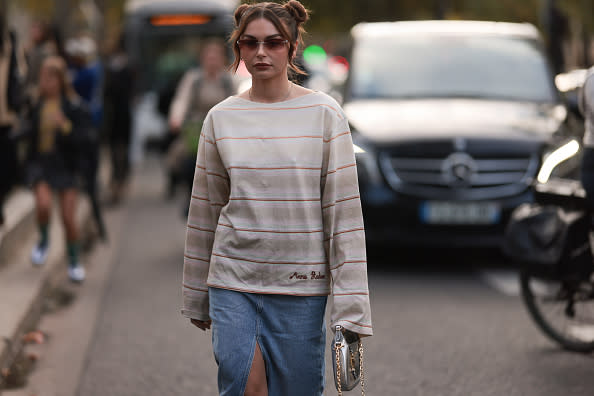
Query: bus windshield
{"x": 163, "y": 37}
{"x": 166, "y": 58}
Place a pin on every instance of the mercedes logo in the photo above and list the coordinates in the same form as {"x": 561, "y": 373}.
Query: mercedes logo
{"x": 460, "y": 144}
{"x": 459, "y": 169}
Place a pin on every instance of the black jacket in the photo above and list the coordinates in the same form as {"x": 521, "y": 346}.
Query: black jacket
{"x": 71, "y": 150}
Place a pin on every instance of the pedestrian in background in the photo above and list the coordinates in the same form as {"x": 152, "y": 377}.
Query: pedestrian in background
{"x": 12, "y": 71}
{"x": 198, "y": 91}
{"x": 275, "y": 222}
{"x": 58, "y": 124}
{"x": 43, "y": 43}
{"x": 586, "y": 102}
{"x": 118, "y": 94}
{"x": 86, "y": 76}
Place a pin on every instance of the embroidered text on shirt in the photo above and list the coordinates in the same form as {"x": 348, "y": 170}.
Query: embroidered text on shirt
{"x": 314, "y": 275}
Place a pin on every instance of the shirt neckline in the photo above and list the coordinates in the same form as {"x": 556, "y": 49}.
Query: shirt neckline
{"x": 274, "y": 103}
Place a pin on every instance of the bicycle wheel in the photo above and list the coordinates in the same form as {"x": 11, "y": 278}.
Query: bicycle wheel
{"x": 562, "y": 309}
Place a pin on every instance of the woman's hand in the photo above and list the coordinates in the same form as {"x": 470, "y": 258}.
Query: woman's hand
{"x": 202, "y": 325}
{"x": 62, "y": 123}
{"x": 59, "y": 119}
{"x": 174, "y": 126}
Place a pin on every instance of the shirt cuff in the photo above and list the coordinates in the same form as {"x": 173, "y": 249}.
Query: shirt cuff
{"x": 195, "y": 315}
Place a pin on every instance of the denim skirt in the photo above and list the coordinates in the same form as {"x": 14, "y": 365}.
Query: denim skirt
{"x": 290, "y": 331}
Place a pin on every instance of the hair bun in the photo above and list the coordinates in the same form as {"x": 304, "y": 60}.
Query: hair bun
{"x": 239, "y": 13}
{"x": 297, "y": 10}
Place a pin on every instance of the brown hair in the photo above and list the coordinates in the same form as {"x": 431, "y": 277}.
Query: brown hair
{"x": 57, "y": 65}
{"x": 288, "y": 18}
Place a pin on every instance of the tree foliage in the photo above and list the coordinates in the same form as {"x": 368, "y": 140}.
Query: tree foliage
{"x": 333, "y": 16}
{"x": 336, "y": 16}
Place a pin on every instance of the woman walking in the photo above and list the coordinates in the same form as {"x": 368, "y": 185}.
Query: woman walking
{"x": 199, "y": 90}
{"x": 275, "y": 222}
{"x": 118, "y": 97}
{"x": 58, "y": 122}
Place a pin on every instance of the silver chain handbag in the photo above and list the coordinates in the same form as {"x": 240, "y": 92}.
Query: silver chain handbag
{"x": 347, "y": 363}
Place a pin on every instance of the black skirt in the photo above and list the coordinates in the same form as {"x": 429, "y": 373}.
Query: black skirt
{"x": 52, "y": 170}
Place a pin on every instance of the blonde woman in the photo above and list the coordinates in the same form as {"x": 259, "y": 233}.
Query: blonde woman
{"x": 275, "y": 222}
{"x": 57, "y": 123}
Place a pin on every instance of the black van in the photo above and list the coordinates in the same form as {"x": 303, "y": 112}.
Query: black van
{"x": 452, "y": 123}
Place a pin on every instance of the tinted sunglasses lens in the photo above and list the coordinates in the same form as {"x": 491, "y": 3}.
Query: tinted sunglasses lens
{"x": 274, "y": 44}
{"x": 248, "y": 44}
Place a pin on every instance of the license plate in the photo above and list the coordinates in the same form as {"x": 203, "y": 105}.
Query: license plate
{"x": 469, "y": 213}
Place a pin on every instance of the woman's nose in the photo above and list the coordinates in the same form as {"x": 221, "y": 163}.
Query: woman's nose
{"x": 260, "y": 50}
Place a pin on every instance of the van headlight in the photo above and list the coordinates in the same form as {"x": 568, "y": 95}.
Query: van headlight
{"x": 357, "y": 149}
{"x": 367, "y": 167}
{"x": 555, "y": 160}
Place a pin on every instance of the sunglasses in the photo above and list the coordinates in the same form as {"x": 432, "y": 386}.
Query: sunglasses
{"x": 270, "y": 44}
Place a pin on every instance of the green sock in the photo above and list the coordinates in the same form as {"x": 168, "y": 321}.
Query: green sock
{"x": 43, "y": 231}
{"x": 72, "y": 253}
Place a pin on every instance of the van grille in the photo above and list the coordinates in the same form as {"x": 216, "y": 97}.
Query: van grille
{"x": 459, "y": 175}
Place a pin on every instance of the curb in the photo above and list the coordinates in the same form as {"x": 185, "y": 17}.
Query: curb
{"x": 20, "y": 220}
{"x": 23, "y": 287}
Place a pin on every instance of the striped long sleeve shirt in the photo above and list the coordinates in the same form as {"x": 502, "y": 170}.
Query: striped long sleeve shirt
{"x": 275, "y": 208}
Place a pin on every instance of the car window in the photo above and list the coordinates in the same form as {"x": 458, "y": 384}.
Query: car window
{"x": 450, "y": 66}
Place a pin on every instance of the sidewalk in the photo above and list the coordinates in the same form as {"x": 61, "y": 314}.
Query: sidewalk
{"x": 69, "y": 321}
{"x": 19, "y": 212}
{"x": 23, "y": 287}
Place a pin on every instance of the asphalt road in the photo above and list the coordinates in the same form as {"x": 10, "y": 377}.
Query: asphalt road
{"x": 446, "y": 323}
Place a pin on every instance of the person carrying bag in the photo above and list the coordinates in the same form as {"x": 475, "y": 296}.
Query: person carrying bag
{"x": 275, "y": 223}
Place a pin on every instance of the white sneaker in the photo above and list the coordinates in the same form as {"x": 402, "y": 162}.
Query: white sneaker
{"x": 39, "y": 254}
{"x": 76, "y": 273}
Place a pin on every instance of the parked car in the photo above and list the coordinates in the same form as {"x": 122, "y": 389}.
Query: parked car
{"x": 452, "y": 122}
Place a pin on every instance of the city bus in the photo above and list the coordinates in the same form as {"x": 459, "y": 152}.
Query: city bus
{"x": 162, "y": 40}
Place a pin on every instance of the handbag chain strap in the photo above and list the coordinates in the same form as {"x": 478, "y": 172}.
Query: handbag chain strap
{"x": 338, "y": 368}
{"x": 361, "y": 367}
{"x": 338, "y": 379}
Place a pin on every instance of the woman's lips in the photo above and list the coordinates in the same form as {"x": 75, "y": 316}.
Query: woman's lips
{"x": 261, "y": 65}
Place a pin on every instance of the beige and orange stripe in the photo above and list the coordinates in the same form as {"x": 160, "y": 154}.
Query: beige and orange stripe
{"x": 276, "y": 208}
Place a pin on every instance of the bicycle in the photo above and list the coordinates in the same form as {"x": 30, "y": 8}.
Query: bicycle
{"x": 556, "y": 269}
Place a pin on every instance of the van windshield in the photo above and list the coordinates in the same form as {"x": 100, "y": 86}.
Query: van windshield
{"x": 487, "y": 67}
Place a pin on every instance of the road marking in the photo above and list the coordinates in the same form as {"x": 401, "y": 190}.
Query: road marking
{"x": 504, "y": 281}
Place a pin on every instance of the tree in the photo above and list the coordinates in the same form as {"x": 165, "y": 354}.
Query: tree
{"x": 331, "y": 16}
